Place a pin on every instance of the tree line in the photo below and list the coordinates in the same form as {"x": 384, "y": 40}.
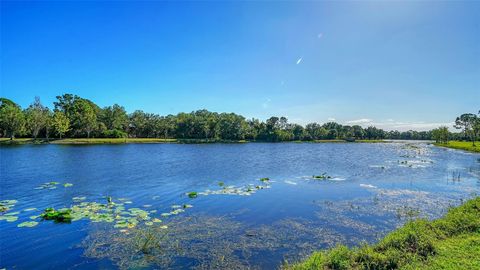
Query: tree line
{"x": 76, "y": 117}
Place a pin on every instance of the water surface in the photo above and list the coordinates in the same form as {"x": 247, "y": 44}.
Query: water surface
{"x": 373, "y": 189}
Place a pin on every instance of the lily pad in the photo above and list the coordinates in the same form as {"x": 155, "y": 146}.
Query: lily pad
{"x": 28, "y": 224}
{"x": 192, "y": 194}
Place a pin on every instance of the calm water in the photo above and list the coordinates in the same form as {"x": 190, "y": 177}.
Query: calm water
{"x": 372, "y": 191}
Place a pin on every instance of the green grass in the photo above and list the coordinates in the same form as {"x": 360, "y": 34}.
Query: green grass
{"x": 451, "y": 242}
{"x": 7, "y": 141}
{"x": 461, "y": 145}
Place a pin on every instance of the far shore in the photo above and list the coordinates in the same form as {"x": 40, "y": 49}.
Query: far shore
{"x": 17, "y": 141}
{"x": 460, "y": 145}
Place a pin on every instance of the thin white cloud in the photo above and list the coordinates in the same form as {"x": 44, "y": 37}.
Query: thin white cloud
{"x": 390, "y": 124}
{"x": 331, "y": 119}
{"x": 320, "y": 35}
{"x": 299, "y": 60}
{"x": 360, "y": 121}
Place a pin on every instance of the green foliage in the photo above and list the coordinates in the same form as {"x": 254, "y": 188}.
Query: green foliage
{"x": 441, "y": 134}
{"x": 12, "y": 119}
{"x": 114, "y": 134}
{"x": 79, "y": 117}
{"x": 418, "y": 244}
{"x": 37, "y": 117}
{"x": 60, "y": 216}
{"x": 61, "y": 123}
{"x": 460, "y": 145}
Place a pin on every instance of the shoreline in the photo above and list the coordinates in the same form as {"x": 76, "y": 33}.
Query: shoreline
{"x": 460, "y": 145}
{"x": 86, "y": 141}
{"x": 449, "y": 242}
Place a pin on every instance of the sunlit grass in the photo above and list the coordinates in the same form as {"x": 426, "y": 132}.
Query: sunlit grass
{"x": 468, "y": 146}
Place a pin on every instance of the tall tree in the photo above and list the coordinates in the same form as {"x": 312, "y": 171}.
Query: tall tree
{"x": 85, "y": 117}
{"x": 467, "y": 123}
{"x": 60, "y": 123}
{"x": 441, "y": 134}
{"x": 37, "y": 116}
{"x": 114, "y": 117}
{"x": 12, "y": 119}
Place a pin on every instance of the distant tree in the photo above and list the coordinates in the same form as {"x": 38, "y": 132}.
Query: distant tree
{"x": 441, "y": 134}
{"x": 12, "y": 119}
{"x": 60, "y": 123}
{"x": 49, "y": 124}
{"x": 85, "y": 117}
{"x": 467, "y": 122}
{"x": 114, "y": 117}
{"x": 37, "y": 116}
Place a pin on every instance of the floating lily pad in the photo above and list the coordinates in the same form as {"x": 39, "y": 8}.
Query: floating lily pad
{"x": 9, "y": 218}
{"x": 192, "y": 194}
{"x": 28, "y": 224}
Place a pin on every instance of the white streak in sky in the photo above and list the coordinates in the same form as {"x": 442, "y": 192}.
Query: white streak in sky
{"x": 299, "y": 60}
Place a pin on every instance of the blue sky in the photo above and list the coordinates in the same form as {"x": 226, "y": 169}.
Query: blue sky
{"x": 398, "y": 65}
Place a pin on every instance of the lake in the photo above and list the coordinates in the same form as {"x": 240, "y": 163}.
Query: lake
{"x": 133, "y": 210}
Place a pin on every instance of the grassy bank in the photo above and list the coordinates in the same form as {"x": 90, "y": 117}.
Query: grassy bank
{"x": 467, "y": 146}
{"x": 451, "y": 242}
{"x": 86, "y": 141}
{"x": 7, "y": 141}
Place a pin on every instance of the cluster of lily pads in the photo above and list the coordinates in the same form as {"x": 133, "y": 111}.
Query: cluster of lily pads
{"x": 114, "y": 211}
{"x": 246, "y": 190}
{"x": 323, "y": 176}
{"x": 5, "y": 207}
{"x": 53, "y": 185}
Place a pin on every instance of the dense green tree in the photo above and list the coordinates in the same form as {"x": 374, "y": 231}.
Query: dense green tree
{"x": 60, "y": 123}
{"x": 441, "y": 134}
{"x": 114, "y": 117}
{"x": 467, "y": 122}
{"x": 84, "y": 116}
{"x": 12, "y": 119}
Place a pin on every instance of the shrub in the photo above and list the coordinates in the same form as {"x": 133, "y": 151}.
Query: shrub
{"x": 114, "y": 133}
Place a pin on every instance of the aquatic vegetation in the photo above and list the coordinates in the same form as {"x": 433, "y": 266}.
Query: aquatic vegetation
{"x": 322, "y": 176}
{"x": 418, "y": 244}
{"x": 221, "y": 184}
{"x": 79, "y": 199}
{"x": 192, "y": 194}
{"x": 6, "y": 205}
{"x": 8, "y": 218}
{"x": 407, "y": 212}
{"x": 48, "y": 185}
{"x": 264, "y": 179}
{"x": 60, "y": 216}
{"x": 206, "y": 242}
{"x": 68, "y": 185}
{"x": 28, "y": 224}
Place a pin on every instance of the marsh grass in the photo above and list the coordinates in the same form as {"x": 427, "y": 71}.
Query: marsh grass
{"x": 419, "y": 244}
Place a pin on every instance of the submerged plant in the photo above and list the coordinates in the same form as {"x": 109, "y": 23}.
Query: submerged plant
{"x": 264, "y": 179}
